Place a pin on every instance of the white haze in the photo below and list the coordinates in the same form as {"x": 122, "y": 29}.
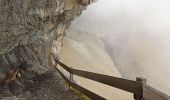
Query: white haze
{"x": 137, "y": 36}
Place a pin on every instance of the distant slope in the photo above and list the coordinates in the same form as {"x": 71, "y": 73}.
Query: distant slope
{"x": 136, "y": 36}
{"x": 86, "y": 51}
{"x": 141, "y": 55}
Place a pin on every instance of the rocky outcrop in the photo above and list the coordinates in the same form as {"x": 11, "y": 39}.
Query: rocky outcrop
{"x": 85, "y": 2}
{"x": 31, "y": 29}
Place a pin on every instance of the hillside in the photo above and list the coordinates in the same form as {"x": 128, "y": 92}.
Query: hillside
{"x": 135, "y": 36}
{"x": 85, "y": 51}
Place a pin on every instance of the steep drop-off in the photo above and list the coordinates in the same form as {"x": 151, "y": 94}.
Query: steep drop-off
{"x": 136, "y": 36}
{"x": 85, "y": 51}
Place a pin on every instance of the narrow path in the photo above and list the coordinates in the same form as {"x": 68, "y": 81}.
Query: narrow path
{"x": 48, "y": 86}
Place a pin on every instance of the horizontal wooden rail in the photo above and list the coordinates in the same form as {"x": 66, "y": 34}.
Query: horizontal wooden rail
{"x": 126, "y": 85}
{"x": 80, "y": 88}
{"x": 133, "y": 86}
{"x": 140, "y": 90}
{"x": 63, "y": 66}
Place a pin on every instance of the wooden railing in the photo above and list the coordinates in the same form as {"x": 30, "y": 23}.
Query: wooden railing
{"x": 139, "y": 88}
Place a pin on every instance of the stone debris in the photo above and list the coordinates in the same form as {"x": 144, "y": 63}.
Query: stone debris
{"x": 48, "y": 86}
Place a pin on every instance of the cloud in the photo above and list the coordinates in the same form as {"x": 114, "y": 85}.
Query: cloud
{"x": 137, "y": 33}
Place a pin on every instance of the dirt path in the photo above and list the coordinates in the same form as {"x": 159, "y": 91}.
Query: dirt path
{"x": 49, "y": 86}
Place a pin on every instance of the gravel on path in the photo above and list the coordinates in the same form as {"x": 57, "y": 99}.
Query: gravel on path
{"x": 48, "y": 86}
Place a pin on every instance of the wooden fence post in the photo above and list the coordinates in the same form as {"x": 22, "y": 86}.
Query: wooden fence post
{"x": 143, "y": 81}
{"x": 71, "y": 78}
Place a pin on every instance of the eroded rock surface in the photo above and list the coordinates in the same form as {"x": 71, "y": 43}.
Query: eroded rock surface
{"x": 30, "y": 30}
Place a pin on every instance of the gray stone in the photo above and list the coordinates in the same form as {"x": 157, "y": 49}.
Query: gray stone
{"x": 28, "y": 29}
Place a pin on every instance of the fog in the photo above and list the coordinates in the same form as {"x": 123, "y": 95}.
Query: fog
{"x": 136, "y": 34}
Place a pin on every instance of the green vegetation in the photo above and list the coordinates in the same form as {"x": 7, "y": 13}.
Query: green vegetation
{"x": 80, "y": 95}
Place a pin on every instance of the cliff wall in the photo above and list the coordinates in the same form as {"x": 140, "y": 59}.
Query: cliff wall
{"x": 31, "y": 29}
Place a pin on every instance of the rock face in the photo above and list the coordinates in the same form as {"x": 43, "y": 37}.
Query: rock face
{"x": 31, "y": 29}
